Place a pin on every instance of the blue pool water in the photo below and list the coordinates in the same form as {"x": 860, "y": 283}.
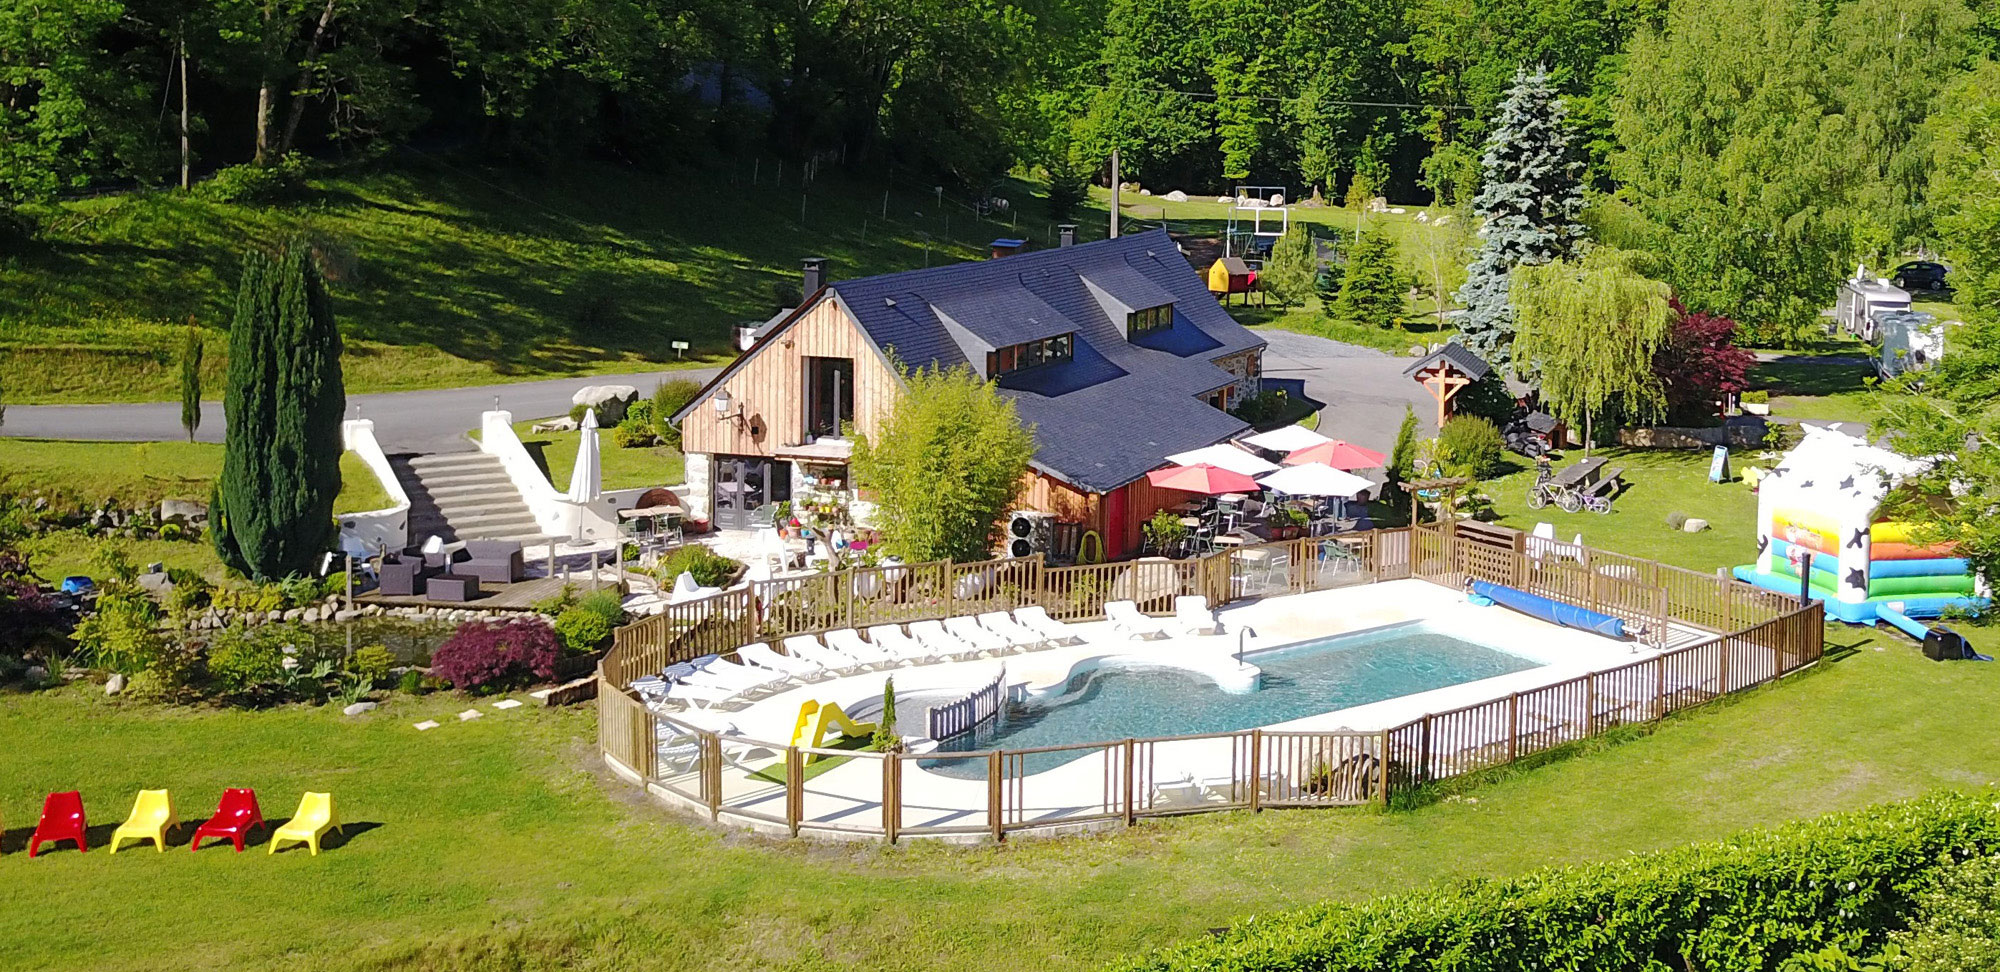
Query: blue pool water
{"x": 1302, "y": 680}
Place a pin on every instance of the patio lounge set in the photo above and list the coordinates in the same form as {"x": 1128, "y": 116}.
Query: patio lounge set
{"x": 454, "y": 575}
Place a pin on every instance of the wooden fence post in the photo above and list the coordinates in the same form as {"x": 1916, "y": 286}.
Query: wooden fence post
{"x": 1256, "y": 770}
{"x": 994, "y": 818}
{"x": 1424, "y": 750}
{"x": 1590, "y": 577}
{"x": 795, "y": 785}
{"x": 711, "y": 773}
{"x": 1382, "y": 771}
{"x": 1131, "y": 811}
{"x": 892, "y": 795}
{"x": 1722, "y": 666}
{"x": 1659, "y": 687}
{"x": 1589, "y": 705}
{"x": 1513, "y": 725}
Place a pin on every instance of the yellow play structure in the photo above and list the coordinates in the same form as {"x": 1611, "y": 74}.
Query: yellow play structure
{"x": 824, "y": 716}
{"x": 152, "y": 816}
{"x": 314, "y": 818}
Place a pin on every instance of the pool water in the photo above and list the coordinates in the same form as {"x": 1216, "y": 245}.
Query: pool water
{"x": 1298, "y": 681}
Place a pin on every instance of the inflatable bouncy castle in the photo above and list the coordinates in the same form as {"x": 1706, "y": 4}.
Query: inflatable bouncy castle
{"x": 1819, "y": 511}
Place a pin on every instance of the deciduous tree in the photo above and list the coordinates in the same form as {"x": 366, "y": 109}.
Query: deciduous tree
{"x": 944, "y": 465}
{"x": 1699, "y": 364}
{"x": 1590, "y": 329}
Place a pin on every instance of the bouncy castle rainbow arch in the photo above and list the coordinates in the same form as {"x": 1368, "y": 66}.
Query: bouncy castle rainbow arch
{"x": 1821, "y": 506}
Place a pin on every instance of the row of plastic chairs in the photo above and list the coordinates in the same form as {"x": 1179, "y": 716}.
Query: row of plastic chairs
{"x": 153, "y": 816}
{"x": 716, "y": 681}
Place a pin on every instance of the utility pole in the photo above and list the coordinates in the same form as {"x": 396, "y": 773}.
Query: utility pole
{"x": 1114, "y": 192}
{"x": 185, "y": 154}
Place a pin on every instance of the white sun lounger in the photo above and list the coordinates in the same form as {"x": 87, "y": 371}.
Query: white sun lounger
{"x": 1037, "y": 619}
{"x": 942, "y": 643}
{"x": 809, "y": 648}
{"x": 967, "y": 629}
{"x": 1126, "y": 619}
{"x": 848, "y": 641}
{"x": 704, "y": 696}
{"x": 1192, "y": 615}
{"x": 1016, "y": 634}
{"x": 742, "y": 678}
{"x": 890, "y": 638}
{"x": 764, "y": 656}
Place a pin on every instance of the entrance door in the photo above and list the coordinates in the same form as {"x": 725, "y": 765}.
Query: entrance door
{"x": 744, "y": 483}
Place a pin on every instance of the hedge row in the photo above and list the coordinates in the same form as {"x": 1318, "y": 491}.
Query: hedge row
{"x": 1751, "y": 902}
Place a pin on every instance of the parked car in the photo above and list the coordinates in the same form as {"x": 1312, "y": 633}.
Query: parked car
{"x": 1920, "y": 275}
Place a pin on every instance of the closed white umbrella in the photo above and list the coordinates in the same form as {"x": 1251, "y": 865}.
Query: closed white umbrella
{"x": 1315, "y": 479}
{"x": 1290, "y": 438}
{"x": 586, "y": 480}
{"x": 1224, "y": 456}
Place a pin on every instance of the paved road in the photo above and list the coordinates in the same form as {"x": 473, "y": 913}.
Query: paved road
{"x": 1365, "y": 391}
{"x": 418, "y": 421}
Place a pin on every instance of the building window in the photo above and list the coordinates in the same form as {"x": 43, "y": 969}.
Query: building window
{"x": 1222, "y": 397}
{"x": 1016, "y": 357}
{"x": 829, "y": 395}
{"x": 1151, "y": 319}
{"x": 1255, "y": 365}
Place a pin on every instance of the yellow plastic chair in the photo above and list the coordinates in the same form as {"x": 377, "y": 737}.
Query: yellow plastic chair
{"x": 152, "y": 816}
{"x": 313, "y": 819}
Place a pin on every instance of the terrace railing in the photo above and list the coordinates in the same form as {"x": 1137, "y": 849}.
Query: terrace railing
{"x": 1739, "y": 636}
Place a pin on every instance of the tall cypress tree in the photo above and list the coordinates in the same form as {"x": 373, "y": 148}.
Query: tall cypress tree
{"x": 191, "y": 355}
{"x": 273, "y": 509}
{"x": 1529, "y": 201}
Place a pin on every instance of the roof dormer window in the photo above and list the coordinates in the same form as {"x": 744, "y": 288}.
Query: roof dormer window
{"x": 1021, "y": 356}
{"x": 1150, "y": 319}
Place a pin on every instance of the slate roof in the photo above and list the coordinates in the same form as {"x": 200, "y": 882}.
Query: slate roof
{"x": 1458, "y": 356}
{"x": 1117, "y": 407}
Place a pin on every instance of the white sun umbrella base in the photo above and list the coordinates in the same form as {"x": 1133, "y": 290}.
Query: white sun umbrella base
{"x": 1225, "y": 456}
{"x": 1290, "y": 438}
{"x": 1315, "y": 479}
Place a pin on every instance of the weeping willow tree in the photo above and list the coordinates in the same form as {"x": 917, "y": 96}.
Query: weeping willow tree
{"x": 1587, "y": 330}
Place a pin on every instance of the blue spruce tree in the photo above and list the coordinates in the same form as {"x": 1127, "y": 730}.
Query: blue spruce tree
{"x": 1529, "y": 201}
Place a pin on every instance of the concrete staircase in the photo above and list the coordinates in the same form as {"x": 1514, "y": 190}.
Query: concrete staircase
{"x": 463, "y": 496}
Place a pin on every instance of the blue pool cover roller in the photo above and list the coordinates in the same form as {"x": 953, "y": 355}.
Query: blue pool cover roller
{"x": 1555, "y": 612}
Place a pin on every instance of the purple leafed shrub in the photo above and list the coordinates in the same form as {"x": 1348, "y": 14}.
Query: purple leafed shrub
{"x": 481, "y": 654}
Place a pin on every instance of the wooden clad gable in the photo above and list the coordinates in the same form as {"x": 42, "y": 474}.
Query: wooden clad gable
{"x": 768, "y": 386}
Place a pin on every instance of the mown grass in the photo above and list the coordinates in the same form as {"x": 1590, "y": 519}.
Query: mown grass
{"x": 1659, "y": 482}
{"x": 445, "y": 276}
{"x": 1809, "y": 387}
{"x": 621, "y": 468}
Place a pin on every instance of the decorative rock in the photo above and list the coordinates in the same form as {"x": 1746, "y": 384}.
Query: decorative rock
{"x": 564, "y": 424}
{"x": 1175, "y": 196}
{"x": 610, "y": 401}
{"x": 1225, "y": 199}
{"x": 1145, "y": 192}
{"x": 470, "y": 714}
{"x": 344, "y": 616}
{"x": 186, "y": 511}
{"x": 36, "y": 674}
{"x": 426, "y": 725}
{"x": 115, "y": 684}
{"x": 358, "y": 708}
{"x": 274, "y": 616}
{"x": 291, "y": 614}
{"x": 1417, "y": 351}
{"x": 1277, "y": 199}
{"x": 1694, "y": 524}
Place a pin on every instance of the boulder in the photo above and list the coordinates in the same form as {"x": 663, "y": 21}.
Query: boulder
{"x": 1225, "y": 199}
{"x": 1418, "y": 351}
{"x": 610, "y": 401}
{"x": 36, "y": 674}
{"x": 358, "y": 708}
{"x": 183, "y": 511}
{"x": 344, "y": 616}
{"x": 1175, "y": 196}
{"x": 115, "y": 684}
{"x": 1694, "y": 524}
{"x": 1145, "y": 192}
{"x": 1277, "y": 199}
{"x": 564, "y": 424}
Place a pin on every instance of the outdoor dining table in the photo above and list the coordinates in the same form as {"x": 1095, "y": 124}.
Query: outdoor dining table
{"x": 1583, "y": 473}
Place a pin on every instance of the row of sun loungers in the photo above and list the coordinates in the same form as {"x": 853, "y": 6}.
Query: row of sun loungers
{"x": 715, "y": 681}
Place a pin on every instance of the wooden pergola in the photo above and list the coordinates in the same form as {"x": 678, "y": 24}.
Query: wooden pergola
{"x": 1445, "y": 372}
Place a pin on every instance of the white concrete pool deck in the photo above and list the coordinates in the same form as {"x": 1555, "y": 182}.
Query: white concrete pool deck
{"x": 850, "y": 794}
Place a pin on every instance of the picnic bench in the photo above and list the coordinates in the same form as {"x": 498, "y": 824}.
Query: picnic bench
{"x": 1584, "y": 485}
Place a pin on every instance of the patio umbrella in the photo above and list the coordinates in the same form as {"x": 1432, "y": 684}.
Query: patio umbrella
{"x": 1226, "y": 456}
{"x": 1202, "y": 478}
{"x": 1315, "y": 479}
{"x": 1290, "y": 438}
{"x": 1338, "y": 454}
{"x": 587, "y": 480}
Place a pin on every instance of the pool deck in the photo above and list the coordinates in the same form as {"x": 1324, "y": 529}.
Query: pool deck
{"x": 849, "y": 794}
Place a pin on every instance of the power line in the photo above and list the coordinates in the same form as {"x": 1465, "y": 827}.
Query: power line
{"x": 1273, "y": 98}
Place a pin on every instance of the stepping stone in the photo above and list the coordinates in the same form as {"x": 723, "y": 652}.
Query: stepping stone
{"x": 507, "y": 704}
{"x": 542, "y": 694}
{"x": 469, "y": 715}
{"x": 426, "y": 725}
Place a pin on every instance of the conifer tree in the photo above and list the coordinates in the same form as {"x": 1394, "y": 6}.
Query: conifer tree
{"x": 191, "y": 354}
{"x": 1529, "y": 202}
{"x": 1395, "y": 492}
{"x": 272, "y": 514}
{"x": 1288, "y": 274}
{"x": 1371, "y": 292}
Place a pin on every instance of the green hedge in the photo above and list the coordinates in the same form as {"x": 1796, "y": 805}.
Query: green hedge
{"x": 1763, "y": 900}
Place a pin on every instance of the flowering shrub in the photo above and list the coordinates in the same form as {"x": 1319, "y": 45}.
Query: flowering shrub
{"x": 487, "y": 655}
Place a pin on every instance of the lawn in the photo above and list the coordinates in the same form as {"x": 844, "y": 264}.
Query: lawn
{"x": 621, "y": 468}
{"x": 1661, "y": 482}
{"x": 447, "y": 276}
{"x": 1818, "y": 387}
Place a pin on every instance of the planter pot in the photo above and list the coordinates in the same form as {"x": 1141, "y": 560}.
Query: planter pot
{"x": 1757, "y": 408}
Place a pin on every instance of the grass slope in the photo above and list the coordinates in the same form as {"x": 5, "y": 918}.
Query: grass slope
{"x": 444, "y": 277}
{"x": 621, "y": 468}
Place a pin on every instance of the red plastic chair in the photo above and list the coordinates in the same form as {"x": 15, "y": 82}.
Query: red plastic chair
{"x": 233, "y": 819}
{"x": 62, "y": 819}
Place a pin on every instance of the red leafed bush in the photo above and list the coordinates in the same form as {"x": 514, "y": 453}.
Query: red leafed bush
{"x": 484, "y": 655}
{"x": 1698, "y": 364}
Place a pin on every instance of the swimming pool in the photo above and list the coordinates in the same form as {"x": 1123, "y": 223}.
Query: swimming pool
{"x": 1298, "y": 681}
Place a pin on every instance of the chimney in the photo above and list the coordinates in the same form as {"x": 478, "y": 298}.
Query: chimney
{"x": 746, "y": 335}
{"x": 812, "y": 276}
{"x": 1068, "y": 231}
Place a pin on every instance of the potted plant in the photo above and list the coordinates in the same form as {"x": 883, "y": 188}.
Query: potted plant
{"x": 1165, "y": 530}
{"x": 1756, "y": 402}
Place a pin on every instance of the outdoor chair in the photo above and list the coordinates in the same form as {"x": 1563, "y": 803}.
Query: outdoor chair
{"x": 152, "y": 816}
{"x": 849, "y": 642}
{"x": 729, "y": 675}
{"x": 833, "y": 659}
{"x": 1126, "y": 619}
{"x": 402, "y": 578}
{"x": 942, "y": 643}
{"x": 492, "y": 561}
{"x": 761, "y": 654}
{"x": 1037, "y": 619}
{"x": 456, "y": 588}
{"x": 967, "y": 629}
{"x": 62, "y": 819}
{"x": 1016, "y": 634}
{"x": 704, "y": 696}
{"x": 1192, "y": 614}
{"x": 233, "y": 819}
{"x": 311, "y": 821}
{"x": 891, "y": 639}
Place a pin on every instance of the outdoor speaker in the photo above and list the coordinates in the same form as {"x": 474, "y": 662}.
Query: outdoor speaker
{"x": 1029, "y": 533}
